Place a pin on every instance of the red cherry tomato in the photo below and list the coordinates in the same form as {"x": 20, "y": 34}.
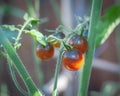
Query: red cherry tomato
{"x": 56, "y": 43}
{"x": 79, "y": 43}
{"x": 45, "y": 52}
{"x": 73, "y": 59}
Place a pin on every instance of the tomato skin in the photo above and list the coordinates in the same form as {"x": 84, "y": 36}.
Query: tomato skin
{"x": 79, "y": 43}
{"x": 59, "y": 35}
{"x": 73, "y": 59}
{"x": 45, "y": 52}
{"x": 57, "y": 43}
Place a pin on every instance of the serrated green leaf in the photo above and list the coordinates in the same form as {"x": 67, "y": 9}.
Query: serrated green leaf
{"x": 35, "y": 21}
{"x": 38, "y": 36}
{"x": 9, "y": 27}
{"x": 107, "y": 24}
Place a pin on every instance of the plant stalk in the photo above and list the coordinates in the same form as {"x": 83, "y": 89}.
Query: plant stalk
{"x": 33, "y": 90}
{"x": 20, "y": 33}
{"x": 86, "y": 71}
{"x": 54, "y": 93}
{"x": 11, "y": 67}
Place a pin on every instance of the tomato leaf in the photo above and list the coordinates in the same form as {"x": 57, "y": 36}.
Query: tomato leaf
{"x": 34, "y": 21}
{"x": 9, "y": 27}
{"x": 38, "y": 36}
{"x": 107, "y": 24}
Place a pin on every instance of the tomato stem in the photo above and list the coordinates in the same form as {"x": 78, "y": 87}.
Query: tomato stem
{"x": 86, "y": 71}
{"x": 20, "y": 33}
{"x": 11, "y": 67}
{"x": 54, "y": 93}
{"x": 68, "y": 47}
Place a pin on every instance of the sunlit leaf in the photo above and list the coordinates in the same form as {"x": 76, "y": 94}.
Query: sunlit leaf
{"x": 107, "y": 24}
{"x": 38, "y": 36}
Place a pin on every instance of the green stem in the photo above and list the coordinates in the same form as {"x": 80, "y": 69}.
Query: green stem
{"x": 20, "y": 33}
{"x": 33, "y": 90}
{"x": 54, "y": 93}
{"x": 14, "y": 78}
{"x": 86, "y": 71}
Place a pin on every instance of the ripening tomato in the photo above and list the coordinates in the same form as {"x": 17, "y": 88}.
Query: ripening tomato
{"x": 59, "y": 35}
{"x": 56, "y": 43}
{"x": 73, "y": 59}
{"x": 45, "y": 52}
{"x": 79, "y": 43}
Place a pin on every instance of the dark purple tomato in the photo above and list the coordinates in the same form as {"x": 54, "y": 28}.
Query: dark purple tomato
{"x": 79, "y": 43}
{"x": 45, "y": 52}
{"x": 57, "y": 43}
{"x": 73, "y": 59}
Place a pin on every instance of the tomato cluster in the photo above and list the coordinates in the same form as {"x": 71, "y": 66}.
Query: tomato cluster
{"x": 46, "y": 52}
{"x": 72, "y": 58}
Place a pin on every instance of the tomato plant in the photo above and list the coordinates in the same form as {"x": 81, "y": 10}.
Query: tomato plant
{"x": 99, "y": 28}
{"x": 73, "y": 59}
{"x": 45, "y": 52}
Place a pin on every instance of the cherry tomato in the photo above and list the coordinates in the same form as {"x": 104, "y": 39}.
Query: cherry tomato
{"x": 45, "y": 52}
{"x": 58, "y": 35}
{"x": 73, "y": 59}
{"x": 79, "y": 43}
